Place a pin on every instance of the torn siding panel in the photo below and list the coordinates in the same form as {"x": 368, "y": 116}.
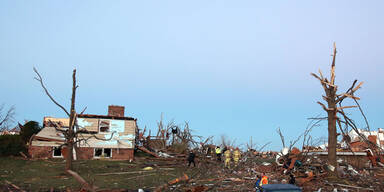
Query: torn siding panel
{"x": 117, "y": 141}
{"x": 47, "y": 143}
{"x": 50, "y": 133}
{"x": 130, "y": 127}
{"x": 88, "y": 124}
{"x": 127, "y": 143}
{"x": 117, "y": 125}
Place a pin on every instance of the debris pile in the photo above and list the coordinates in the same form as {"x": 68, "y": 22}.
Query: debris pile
{"x": 307, "y": 168}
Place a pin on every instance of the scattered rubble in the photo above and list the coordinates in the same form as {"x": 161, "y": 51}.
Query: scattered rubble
{"x": 359, "y": 168}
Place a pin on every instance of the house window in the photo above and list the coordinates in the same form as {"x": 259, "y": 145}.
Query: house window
{"x": 57, "y": 152}
{"x": 103, "y": 152}
{"x": 104, "y": 126}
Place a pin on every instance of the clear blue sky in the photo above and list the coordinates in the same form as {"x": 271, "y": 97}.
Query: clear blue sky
{"x": 238, "y": 68}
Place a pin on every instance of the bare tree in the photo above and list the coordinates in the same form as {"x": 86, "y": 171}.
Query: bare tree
{"x": 332, "y": 109}
{"x": 69, "y": 133}
{"x": 6, "y": 117}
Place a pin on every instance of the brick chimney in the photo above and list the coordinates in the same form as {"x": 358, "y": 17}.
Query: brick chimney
{"x": 116, "y": 111}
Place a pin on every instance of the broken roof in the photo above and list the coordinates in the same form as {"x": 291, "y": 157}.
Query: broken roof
{"x": 104, "y": 117}
{"x": 50, "y": 133}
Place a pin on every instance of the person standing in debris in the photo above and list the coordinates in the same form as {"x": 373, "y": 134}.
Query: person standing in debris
{"x": 257, "y": 184}
{"x": 264, "y": 180}
{"x": 236, "y": 156}
{"x": 227, "y": 155}
{"x": 292, "y": 179}
{"x": 218, "y": 153}
{"x": 191, "y": 159}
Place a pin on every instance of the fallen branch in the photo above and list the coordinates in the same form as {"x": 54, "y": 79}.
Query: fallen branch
{"x": 86, "y": 185}
{"x": 350, "y": 186}
{"x": 22, "y": 154}
{"x": 14, "y": 186}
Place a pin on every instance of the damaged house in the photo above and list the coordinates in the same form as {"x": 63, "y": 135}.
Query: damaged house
{"x": 357, "y": 144}
{"x": 109, "y": 136}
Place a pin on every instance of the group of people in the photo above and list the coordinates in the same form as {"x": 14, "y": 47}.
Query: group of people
{"x": 228, "y": 156}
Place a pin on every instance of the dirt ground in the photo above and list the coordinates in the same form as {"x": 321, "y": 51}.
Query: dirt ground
{"x": 44, "y": 175}
{"x": 149, "y": 173}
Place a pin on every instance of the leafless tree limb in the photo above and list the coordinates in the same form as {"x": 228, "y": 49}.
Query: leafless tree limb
{"x": 85, "y": 108}
{"x": 4, "y": 120}
{"x": 265, "y": 145}
{"x": 40, "y": 79}
{"x": 281, "y": 136}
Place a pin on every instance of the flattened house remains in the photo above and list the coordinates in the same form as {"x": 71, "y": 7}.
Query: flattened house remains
{"x": 105, "y": 136}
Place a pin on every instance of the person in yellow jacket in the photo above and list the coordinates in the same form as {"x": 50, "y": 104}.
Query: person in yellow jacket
{"x": 236, "y": 156}
{"x": 218, "y": 153}
{"x": 227, "y": 155}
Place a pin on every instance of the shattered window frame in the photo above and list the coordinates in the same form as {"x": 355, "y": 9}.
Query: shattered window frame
{"x": 56, "y": 149}
{"x": 104, "y": 126}
{"x": 102, "y": 153}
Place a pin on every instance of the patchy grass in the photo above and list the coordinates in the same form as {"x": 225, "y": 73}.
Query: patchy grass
{"x": 42, "y": 175}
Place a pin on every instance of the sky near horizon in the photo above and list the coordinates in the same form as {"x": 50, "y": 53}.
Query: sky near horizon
{"x": 234, "y": 68}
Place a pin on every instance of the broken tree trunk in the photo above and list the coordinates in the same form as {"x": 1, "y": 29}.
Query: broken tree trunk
{"x": 333, "y": 99}
{"x": 332, "y": 137}
{"x": 72, "y": 119}
{"x": 85, "y": 184}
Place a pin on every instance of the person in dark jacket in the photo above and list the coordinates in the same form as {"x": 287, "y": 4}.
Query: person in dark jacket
{"x": 191, "y": 159}
{"x": 257, "y": 184}
{"x": 292, "y": 179}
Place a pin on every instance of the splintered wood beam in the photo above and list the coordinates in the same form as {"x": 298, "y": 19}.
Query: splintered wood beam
{"x": 333, "y": 75}
{"x": 321, "y": 74}
{"x": 357, "y": 87}
{"x": 322, "y": 82}
{"x": 331, "y": 85}
{"x": 317, "y": 77}
{"x": 333, "y": 64}
{"x": 334, "y": 54}
{"x": 345, "y": 107}
{"x": 350, "y": 92}
{"x": 324, "y": 107}
{"x": 351, "y": 96}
